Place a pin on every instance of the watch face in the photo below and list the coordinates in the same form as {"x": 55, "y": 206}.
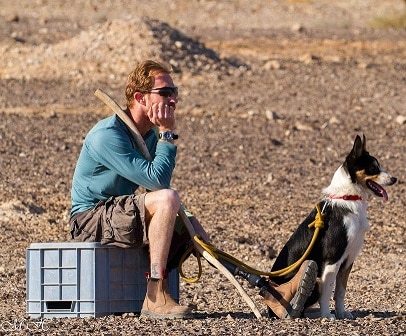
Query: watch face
{"x": 168, "y": 135}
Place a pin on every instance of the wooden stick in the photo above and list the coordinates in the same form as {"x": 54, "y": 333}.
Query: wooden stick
{"x": 219, "y": 266}
{"x": 105, "y": 98}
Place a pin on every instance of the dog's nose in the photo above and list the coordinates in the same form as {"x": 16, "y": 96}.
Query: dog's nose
{"x": 393, "y": 180}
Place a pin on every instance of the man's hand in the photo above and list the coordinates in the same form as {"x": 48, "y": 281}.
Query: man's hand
{"x": 162, "y": 115}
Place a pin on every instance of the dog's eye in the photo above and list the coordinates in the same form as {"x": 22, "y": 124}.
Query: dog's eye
{"x": 373, "y": 170}
{"x": 372, "y": 166}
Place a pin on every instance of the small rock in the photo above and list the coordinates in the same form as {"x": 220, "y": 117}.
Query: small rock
{"x": 335, "y": 59}
{"x": 271, "y": 115}
{"x": 401, "y": 120}
{"x": 298, "y": 28}
{"x": 12, "y": 18}
{"x": 303, "y": 127}
{"x": 43, "y": 31}
{"x": 17, "y": 38}
{"x": 364, "y": 65}
{"x": 178, "y": 44}
{"x": 309, "y": 58}
{"x": 272, "y": 65}
{"x": 173, "y": 63}
{"x": 333, "y": 120}
{"x": 276, "y": 142}
{"x": 52, "y": 114}
{"x": 229, "y": 317}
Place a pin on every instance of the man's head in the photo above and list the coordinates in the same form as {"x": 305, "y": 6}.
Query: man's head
{"x": 146, "y": 78}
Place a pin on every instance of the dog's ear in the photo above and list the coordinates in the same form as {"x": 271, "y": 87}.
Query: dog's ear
{"x": 358, "y": 147}
{"x": 364, "y": 143}
{"x": 350, "y": 160}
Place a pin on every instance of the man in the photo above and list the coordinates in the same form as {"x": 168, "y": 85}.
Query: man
{"x": 109, "y": 170}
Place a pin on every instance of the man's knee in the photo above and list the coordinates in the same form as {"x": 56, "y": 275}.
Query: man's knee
{"x": 170, "y": 198}
{"x": 162, "y": 199}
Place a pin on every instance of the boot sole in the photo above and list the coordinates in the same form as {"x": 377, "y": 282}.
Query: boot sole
{"x": 147, "y": 313}
{"x": 306, "y": 286}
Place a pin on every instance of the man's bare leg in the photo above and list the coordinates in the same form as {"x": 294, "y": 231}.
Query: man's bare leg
{"x": 161, "y": 209}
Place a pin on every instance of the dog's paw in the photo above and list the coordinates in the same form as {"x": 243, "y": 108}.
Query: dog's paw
{"x": 344, "y": 315}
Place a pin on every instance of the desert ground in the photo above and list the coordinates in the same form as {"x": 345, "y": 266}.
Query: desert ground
{"x": 273, "y": 94}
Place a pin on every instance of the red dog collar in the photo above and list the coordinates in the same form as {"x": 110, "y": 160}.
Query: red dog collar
{"x": 347, "y": 197}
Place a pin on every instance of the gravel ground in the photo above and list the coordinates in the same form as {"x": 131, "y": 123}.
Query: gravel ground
{"x": 272, "y": 98}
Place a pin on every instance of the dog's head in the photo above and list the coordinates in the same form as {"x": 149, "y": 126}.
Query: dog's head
{"x": 366, "y": 171}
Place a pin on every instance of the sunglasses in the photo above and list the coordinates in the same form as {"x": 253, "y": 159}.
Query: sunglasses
{"x": 166, "y": 91}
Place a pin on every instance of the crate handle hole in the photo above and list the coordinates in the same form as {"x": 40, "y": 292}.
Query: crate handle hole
{"x": 59, "y": 305}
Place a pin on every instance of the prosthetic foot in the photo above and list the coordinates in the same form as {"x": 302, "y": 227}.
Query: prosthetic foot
{"x": 287, "y": 300}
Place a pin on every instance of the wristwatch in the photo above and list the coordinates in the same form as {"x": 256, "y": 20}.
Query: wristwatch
{"x": 168, "y": 136}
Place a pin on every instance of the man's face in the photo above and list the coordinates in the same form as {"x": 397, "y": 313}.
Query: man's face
{"x": 164, "y": 90}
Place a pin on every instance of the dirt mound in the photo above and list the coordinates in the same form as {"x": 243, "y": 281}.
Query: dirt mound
{"x": 89, "y": 54}
{"x": 184, "y": 52}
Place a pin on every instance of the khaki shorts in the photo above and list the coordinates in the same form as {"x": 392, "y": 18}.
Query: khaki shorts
{"x": 120, "y": 221}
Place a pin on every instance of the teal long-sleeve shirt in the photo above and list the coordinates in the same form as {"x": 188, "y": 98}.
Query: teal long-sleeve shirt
{"x": 110, "y": 164}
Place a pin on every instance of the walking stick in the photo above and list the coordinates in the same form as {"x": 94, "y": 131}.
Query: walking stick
{"x": 105, "y": 98}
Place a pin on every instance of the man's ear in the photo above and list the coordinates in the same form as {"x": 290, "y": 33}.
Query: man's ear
{"x": 139, "y": 97}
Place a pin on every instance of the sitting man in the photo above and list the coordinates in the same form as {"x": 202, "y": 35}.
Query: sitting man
{"x": 110, "y": 169}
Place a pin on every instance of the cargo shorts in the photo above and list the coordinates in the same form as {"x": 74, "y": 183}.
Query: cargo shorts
{"x": 120, "y": 221}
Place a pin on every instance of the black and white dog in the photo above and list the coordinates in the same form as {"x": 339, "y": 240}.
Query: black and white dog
{"x": 344, "y": 206}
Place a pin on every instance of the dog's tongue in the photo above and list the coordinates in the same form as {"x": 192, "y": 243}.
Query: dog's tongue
{"x": 384, "y": 194}
{"x": 378, "y": 190}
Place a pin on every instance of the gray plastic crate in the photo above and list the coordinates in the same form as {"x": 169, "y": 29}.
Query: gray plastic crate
{"x": 87, "y": 279}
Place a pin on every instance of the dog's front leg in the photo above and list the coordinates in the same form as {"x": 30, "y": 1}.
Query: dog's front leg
{"x": 340, "y": 290}
{"x": 326, "y": 289}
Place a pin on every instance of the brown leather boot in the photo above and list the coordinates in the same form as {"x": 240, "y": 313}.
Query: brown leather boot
{"x": 287, "y": 300}
{"x": 159, "y": 304}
